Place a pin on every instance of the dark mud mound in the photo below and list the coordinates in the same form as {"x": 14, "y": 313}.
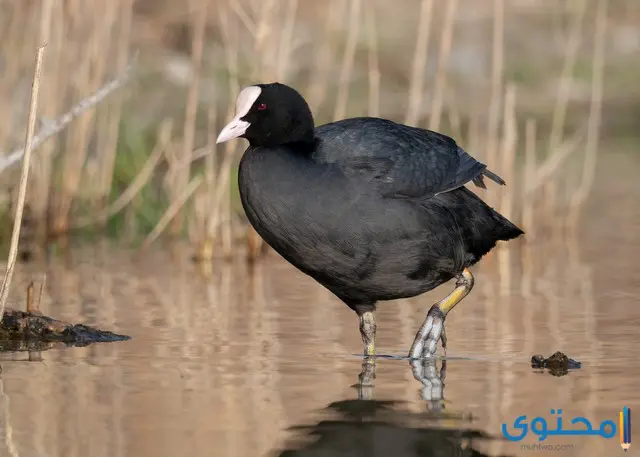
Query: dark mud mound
{"x": 558, "y": 364}
{"x": 24, "y": 331}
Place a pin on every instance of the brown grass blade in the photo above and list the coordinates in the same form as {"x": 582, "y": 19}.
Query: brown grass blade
{"x": 24, "y": 177}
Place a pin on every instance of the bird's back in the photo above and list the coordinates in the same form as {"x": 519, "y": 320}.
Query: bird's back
{"x": 402, "y": 161}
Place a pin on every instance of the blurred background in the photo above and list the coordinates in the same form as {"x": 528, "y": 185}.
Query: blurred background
{"x": 531, "y": 87}
{"x": 232, "y": 349}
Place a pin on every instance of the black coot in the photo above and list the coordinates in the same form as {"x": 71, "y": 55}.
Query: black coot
{"x": 371, "y": 209}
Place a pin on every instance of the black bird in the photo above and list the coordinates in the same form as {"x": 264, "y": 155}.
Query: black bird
{"x": 371, "y": 209}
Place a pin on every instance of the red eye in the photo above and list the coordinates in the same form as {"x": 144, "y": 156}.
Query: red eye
{"x": 262, "y": 106}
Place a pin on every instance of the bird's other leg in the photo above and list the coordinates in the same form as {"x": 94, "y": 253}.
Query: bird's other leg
{"x": 367, "y": 327}
{"x": 432, "y": 330}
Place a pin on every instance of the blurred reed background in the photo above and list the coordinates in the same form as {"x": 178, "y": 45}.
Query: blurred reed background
{"x": 521, "y": 84}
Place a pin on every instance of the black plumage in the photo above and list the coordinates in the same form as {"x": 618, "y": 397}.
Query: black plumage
{"x": 371, "y": 209}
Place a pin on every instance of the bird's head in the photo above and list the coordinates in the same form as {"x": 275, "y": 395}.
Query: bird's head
{"x": 270, "y": 115}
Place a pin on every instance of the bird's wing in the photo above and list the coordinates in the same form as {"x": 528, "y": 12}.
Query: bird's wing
{"x": 402, "y": 161}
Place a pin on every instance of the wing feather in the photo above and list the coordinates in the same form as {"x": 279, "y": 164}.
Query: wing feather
{"x": 402, "y": 161}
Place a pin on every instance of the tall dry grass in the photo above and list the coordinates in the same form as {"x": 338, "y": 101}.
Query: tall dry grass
{"x": 24, "y": 177}
{"x": 93, "y": 173}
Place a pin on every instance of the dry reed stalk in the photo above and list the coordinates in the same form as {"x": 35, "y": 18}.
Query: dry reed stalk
{"x": 171, "y": 211}
{"x": 141, "y": 179}
{"x": 455, "y": 122}
{"x": 199, "y": 20}
{"x": 219, "y": 213}
{"x": 173, "y": 166}
{"x": 419, "y": 65}
{"x": 373, "y": 62}
{"x": 211, "y": 165}
{"x": 24, "y": 177}
{"x": 202, "y": 227}
{"x": 529, "y": 171}
{"x": 263, "y": 26}
{"x": 497, "y": 68}
{"x": 108, "y": 147}
{"x": 31, "y": 302}
{"x": 286, "y": 41}
{"x": 508, "y": 154}
{"x": 92, "y": 173}
{"x": 551, "y": 197}
{"x": 89, "y": 76}
{"x": 346, "y": 68}
{"x": 319, "y": 83}
{"x": 473, "y": 131}
{"x": 42, "y": 287}
{"x": 99, "y": 45}
{"x": 255, "y": 244}
{"x": 222, "y": 207}
{"x": 221, "y": 189}
{"x": 221, "y": 216}
{"x": 508, "y": 149}
{"x": 566, "y": 76}
{"x": 51, "y": 32}
{"x": 549, "y": 205}
{"x": 595, "y": 117}
{"x": 526, "y": 282}
{"x": 231, "y": 44}
{"x": 202, "y": 209}
{"x": 439, "y": 89}
{"x": 200, "y": 153}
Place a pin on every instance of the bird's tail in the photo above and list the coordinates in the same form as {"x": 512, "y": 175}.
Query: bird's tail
{"x": 479, "y": 180}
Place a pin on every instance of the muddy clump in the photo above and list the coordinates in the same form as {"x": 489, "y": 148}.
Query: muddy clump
{"x": 32, "y": 331}
{"x": 558, "y": 364}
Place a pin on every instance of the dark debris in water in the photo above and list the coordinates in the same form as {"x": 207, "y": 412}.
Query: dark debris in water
{"x": 558, "y": 364}
{"x": 24, "y": 331}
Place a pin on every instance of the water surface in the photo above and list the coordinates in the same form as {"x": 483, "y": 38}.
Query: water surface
{"x": 264, "y": 362}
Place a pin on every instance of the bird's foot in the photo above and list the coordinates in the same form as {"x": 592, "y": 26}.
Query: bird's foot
{"x": 431, "y": 331}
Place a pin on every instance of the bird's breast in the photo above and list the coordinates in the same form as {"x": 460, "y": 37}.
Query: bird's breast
{"x": 273, "y": 196}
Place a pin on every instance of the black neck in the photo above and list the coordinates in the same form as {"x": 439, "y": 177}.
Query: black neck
{"x": 304, "y": 145}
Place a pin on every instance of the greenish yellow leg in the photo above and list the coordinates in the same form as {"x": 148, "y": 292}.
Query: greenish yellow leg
{"x": 432, "y": 330}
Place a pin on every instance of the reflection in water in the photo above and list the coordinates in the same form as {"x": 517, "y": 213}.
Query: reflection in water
{"x": 426, "y": 372}
{"x": 369, "y": 427}
{"x": 372, "y": 428}
{"x": 6, "y": 415}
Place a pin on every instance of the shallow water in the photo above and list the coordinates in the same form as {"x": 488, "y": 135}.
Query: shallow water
{"x": 260, "y": 363}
